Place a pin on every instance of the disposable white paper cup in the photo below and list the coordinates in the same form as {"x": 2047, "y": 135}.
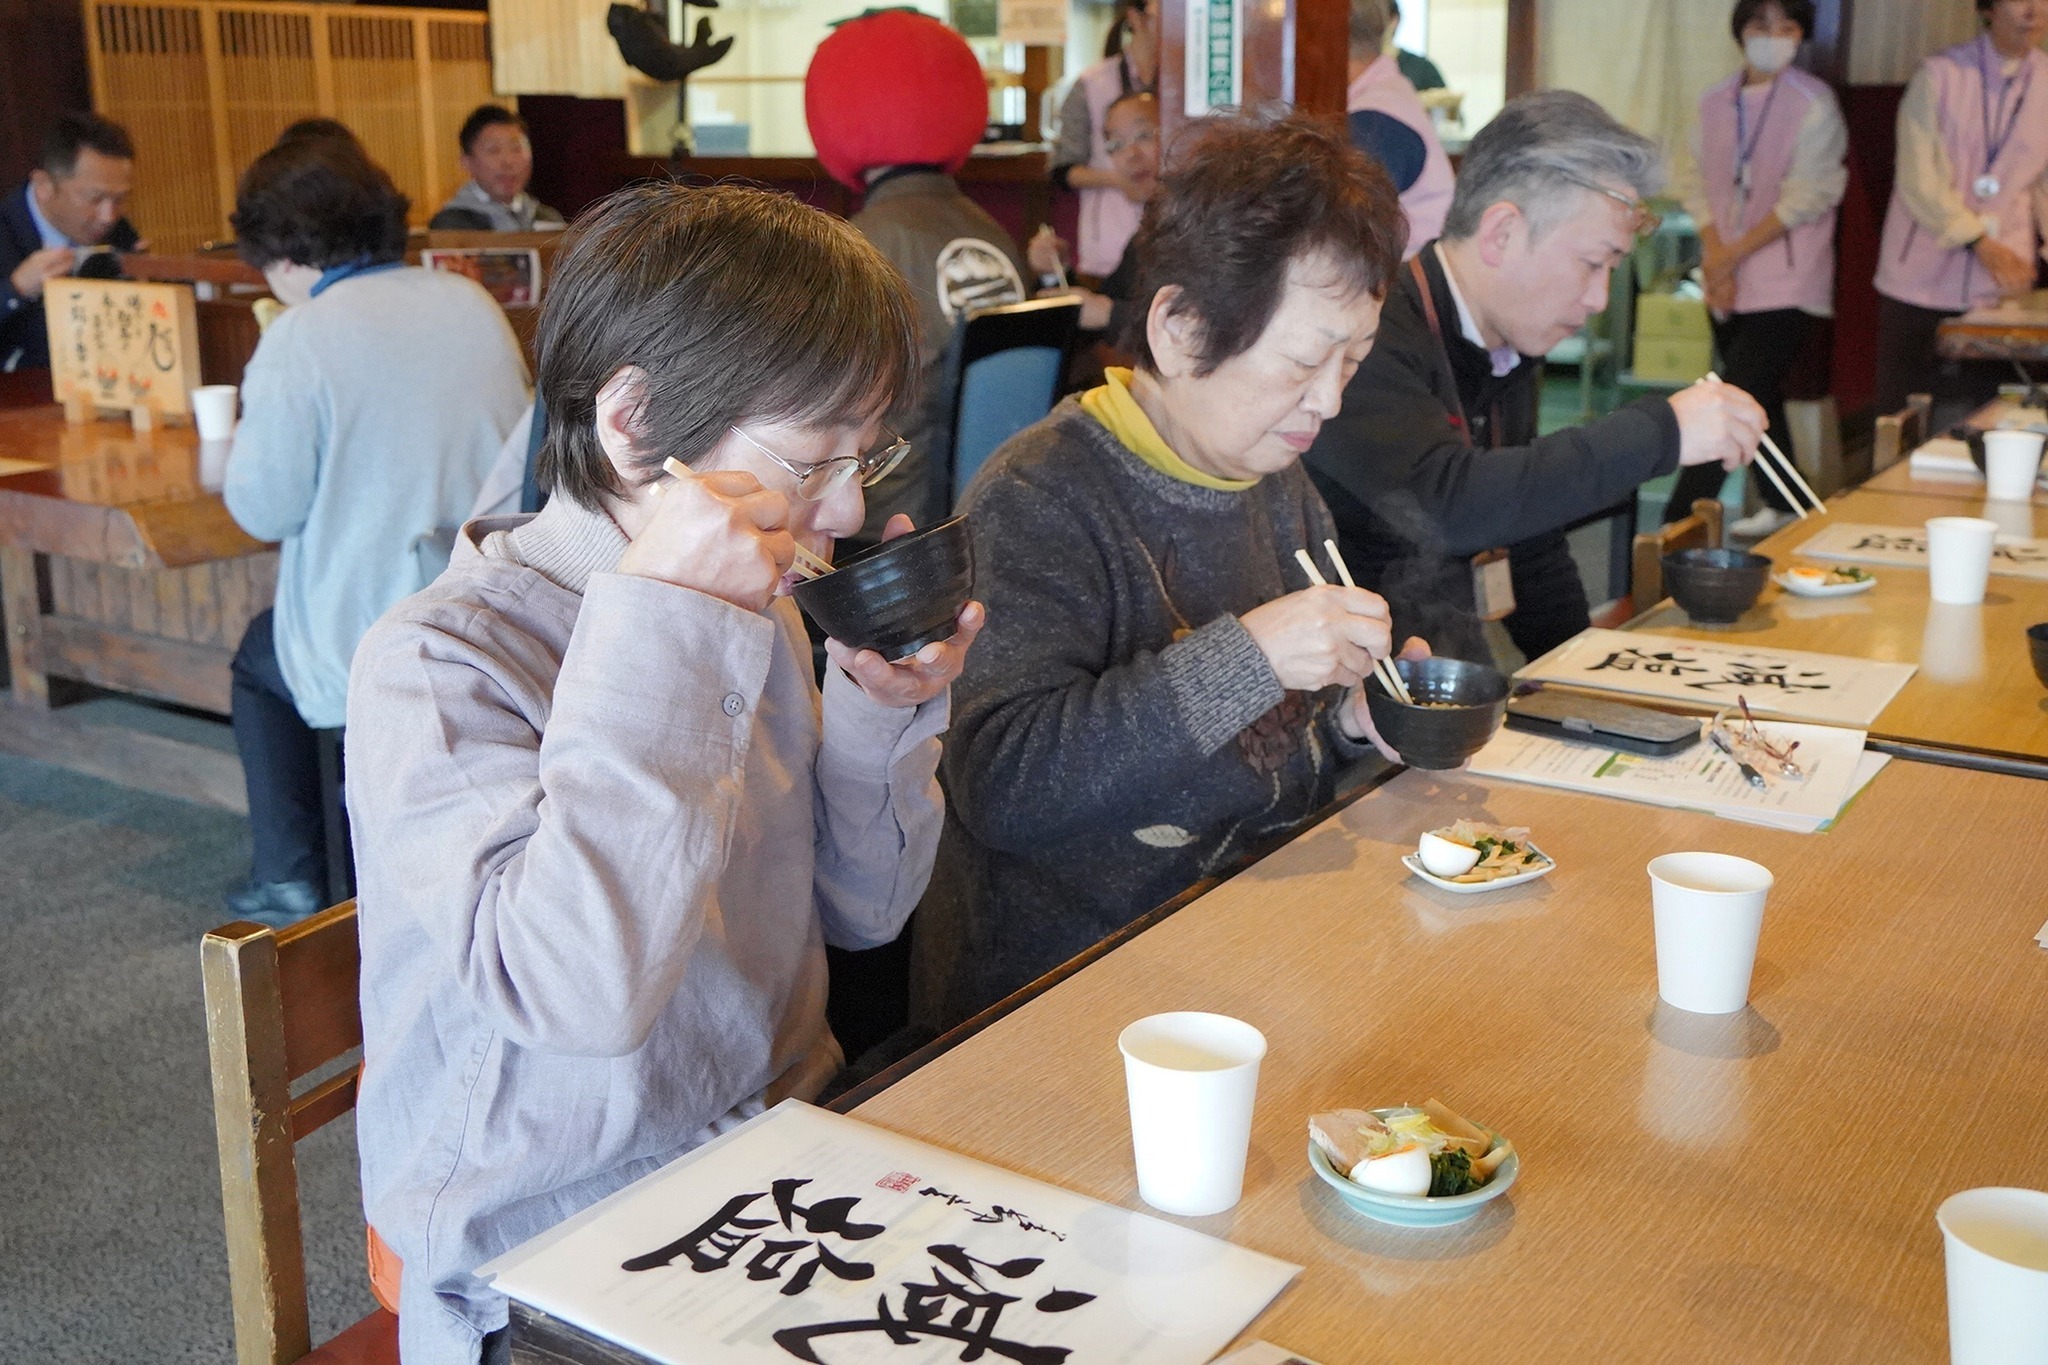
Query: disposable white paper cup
{"x": 213, "y": 464}
{"x": 1191, "y": 1078}
{"x": 1996, "y": 1242}
{"x": 1959, "y": 559}
{"x": 213, "y": 411}
{"x": 2012, "y": 460}
{"x": 1708, "y": 910}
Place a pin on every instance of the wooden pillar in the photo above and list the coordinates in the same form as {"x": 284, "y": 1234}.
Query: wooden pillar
{"x": 1295, "y": 52}
{"x": 1522, "y": 45}
{"x": 1828, "y": 53}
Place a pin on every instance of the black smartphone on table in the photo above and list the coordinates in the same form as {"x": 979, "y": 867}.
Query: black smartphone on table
{"x": 1613, "y": 724}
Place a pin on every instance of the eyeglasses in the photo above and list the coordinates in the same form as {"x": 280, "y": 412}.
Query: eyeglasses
{"x": 1643, "y": 220}
{"x": 816, "y": 482}
{"x": 1748, "y": 740}
{"x": 1137, "y": 139}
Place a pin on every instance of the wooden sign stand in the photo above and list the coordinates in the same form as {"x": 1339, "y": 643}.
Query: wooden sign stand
{"x": 123, "y": 347}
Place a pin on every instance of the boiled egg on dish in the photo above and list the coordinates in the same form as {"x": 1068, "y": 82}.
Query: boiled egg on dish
{"x": 1402, "y": 1171}
{"x": 1443, "y": 857}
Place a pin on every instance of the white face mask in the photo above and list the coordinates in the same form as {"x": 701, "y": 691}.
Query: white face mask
{"x": 1769, "y": 55}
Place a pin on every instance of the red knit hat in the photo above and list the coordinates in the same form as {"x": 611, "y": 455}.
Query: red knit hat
{"x": 892, "y": 88}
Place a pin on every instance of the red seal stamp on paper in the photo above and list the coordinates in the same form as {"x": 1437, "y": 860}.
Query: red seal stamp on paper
{"x": 899, "y": 1181}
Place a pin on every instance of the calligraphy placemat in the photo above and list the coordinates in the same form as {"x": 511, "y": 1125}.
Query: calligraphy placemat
{"x": 1831, "y": 689}
{"x": 808, "y": 1236}
{"x": 1905, "y": 547}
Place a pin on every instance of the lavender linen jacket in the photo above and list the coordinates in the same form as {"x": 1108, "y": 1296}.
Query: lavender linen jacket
{"x": 604, "y": 828}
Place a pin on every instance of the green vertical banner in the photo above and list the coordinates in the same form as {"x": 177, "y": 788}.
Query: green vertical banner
{"x": 1215, "y": 55}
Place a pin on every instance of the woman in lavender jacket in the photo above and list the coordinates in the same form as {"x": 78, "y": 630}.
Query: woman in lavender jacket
{"x": 605, "y": 821}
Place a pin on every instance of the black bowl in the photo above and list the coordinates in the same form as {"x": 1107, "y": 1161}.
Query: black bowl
{"x": 897, "y": 597}
{"x": 1715, "y": 586}
{"x": 2037, "y": 644}
{"x": 1459, "y": 706}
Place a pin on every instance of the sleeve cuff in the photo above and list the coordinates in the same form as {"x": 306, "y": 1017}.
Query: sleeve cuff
{"x": 868, "y": 736}
{"x": 1220, "y": 682}
{"x": 1661, "y": 413}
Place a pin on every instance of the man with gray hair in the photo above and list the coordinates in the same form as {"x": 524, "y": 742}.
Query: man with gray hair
{"x": 1447, "y": 502}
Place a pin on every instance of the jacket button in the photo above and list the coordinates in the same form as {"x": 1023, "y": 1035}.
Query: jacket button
{"x": 733, "y": 704}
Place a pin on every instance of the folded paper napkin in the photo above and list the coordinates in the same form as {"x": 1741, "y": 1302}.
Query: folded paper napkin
{"x": 1945, "y": 457}
{"x": 2042, "y": 937}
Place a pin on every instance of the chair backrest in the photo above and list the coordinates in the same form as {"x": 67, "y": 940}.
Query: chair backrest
{"x": 1901, "y": 433}
{"x": 1003, "y": 372}
{"x": 280, "y": 1005}
{"x": 1701, "y": 530}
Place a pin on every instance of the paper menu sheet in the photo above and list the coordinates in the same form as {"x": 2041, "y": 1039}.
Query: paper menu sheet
{"x": 808, "y": 1236}
{"x": 1702, "y": 778}
{"x": 1792, "y": 683}
{"x": 1906, "y": 547}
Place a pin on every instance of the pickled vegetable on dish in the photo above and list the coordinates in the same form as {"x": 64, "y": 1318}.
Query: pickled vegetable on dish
{"x": 1504, "y": 851}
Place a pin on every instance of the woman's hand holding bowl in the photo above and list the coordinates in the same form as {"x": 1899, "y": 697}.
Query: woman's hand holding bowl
{"x": 722, "y": 533}
{"x": 923, "y": 675}
{"x": 1355, "y": 720}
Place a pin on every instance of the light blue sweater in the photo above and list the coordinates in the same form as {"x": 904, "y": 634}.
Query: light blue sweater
{"x": 370, "y": 417}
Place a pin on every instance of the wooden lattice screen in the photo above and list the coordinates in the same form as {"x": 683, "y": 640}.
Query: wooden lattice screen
{"x": 204, "y": 87}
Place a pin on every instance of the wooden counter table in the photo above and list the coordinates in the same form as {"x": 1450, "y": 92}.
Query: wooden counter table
{"x": 119, "y": 570}
{"x": 1758, "y": 1187}
{"x": 1975, "y": 697}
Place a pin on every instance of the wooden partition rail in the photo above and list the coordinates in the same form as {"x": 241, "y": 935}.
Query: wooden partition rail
{"x": 205, "y": 87}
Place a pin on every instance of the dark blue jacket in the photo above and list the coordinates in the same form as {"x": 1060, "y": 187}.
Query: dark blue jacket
{"x": 24, "y": 339}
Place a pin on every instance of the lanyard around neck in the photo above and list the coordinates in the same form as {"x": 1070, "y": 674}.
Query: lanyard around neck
{"x": 1745, "y": 141}
{"x": 1995, "y": 143}
{"x": 1443, "y": 354}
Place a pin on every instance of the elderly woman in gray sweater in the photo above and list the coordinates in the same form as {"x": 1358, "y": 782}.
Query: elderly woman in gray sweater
{"x": 1159, "y": 688}
{"x": 605, "y": 821}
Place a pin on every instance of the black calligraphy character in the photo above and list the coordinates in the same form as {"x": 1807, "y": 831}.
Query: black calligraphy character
{"x": 163, "y": 349}
{"x": 713, "y": 1244}
{"x": 965, "y": 1310}
{"x": 950, "y": 1199}
{"x": 720, "y": 1233}
{"x": 1630, "y": 660}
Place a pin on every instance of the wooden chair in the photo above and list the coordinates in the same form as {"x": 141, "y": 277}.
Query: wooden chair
{"x": 1701, "y": 530}
{"x": 1901, "y": 433}
{"x": 280, "y": 1005}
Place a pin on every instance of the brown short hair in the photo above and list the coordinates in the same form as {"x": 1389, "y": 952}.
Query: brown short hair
{"x": 317, "y": 201}
{"x": 740, "y": 305}
{"x": 1243, "y": 197}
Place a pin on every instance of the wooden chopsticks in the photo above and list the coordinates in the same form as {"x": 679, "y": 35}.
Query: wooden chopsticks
{"x": 1791, "y": 471}
{"x": 807, "y": 565}
{"x": 1383, "y": 669}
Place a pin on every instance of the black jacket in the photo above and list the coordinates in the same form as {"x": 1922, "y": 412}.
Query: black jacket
{"x": 1414, "y": 499}
{"x": 24, "y": 339}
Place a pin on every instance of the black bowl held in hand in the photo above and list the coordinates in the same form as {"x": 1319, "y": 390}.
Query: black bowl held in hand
{"x": 897, "y": 597}
{"x": 2037, "y": 645}
{"x": 1714, "y": 587}
{"x": 1458, "y": 706}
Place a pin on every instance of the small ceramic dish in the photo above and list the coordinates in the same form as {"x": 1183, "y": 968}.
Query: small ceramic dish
{"x": 1415, "y": 1210}
{"x": 1805, "y": 587}
{"x": 1414, "y": 864}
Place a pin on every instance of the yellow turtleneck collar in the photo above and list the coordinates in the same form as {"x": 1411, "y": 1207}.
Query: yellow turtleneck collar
{"x": 1114, "y": 407}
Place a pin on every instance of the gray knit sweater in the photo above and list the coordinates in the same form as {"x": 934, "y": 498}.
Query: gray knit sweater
{"x": 1117, "y": 734}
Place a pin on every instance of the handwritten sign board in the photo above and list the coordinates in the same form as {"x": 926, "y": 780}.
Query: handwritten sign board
{"x": 1831, "y": 689}
{"x": 122, "y": 344}
{"x": 807, "y": 1236}
{"x": 1905, "y": 547}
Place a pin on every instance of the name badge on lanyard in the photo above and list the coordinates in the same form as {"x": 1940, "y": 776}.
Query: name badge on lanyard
{"x": 1493, "y": 583}
{"x": 1988, "y": 185}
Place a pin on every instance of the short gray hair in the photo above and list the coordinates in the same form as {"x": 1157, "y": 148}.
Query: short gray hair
{"x": 1370, "y": 20}
{"x": 1540, "y": 153}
